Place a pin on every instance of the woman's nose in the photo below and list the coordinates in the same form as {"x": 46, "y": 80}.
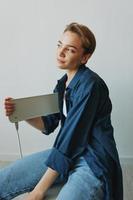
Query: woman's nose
{"x": 62, "y": 51}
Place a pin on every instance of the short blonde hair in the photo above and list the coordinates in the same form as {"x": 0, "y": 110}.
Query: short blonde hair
{"x": 86, "y": 35}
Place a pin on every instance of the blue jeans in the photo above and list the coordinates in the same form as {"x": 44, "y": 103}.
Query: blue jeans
{"x": 23, "y": 175}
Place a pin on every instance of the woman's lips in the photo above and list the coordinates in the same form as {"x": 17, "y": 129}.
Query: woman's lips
{"x": 60, "y": 61}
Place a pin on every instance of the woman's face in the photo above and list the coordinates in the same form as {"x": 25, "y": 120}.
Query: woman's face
{"x": 70, "y": 53}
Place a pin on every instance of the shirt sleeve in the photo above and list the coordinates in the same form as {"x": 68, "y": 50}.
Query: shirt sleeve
{"x": 74, "y": 135}
{"x": 50, "y": 123}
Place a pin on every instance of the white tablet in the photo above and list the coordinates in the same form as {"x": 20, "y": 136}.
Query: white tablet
{"x": 31, "y": 107}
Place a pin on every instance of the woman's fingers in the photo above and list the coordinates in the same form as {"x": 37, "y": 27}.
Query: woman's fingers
{"x": 9, "y": 106}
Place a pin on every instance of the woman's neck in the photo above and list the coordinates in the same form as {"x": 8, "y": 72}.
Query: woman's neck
{"x": 70, "y": 75}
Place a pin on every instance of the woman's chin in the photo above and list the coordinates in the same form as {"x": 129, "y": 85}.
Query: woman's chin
{"x": 61, "y": 66}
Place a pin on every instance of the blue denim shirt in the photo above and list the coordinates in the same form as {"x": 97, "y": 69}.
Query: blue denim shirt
{"x": 86, "y": 130}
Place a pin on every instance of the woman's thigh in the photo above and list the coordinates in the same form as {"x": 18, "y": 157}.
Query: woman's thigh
{"x": 23, "y": 175}
{"x": 82, "y": 184}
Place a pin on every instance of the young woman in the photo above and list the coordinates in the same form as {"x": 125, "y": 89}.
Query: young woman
{"x": 84, "y": 155}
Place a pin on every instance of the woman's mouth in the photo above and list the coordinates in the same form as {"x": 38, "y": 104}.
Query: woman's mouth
{"x": 60, "y": 61}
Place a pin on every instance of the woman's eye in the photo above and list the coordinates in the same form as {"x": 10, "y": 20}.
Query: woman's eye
{"x": 71, "y": 50}
{"x": 67, "y": 49}
{"x": 58, "y": 45}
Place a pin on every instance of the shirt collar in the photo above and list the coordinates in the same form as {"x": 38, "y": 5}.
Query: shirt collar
{"x": 75, "y": 79}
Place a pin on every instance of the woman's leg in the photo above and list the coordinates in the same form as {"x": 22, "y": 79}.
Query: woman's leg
{"x": 82, "y": 184}
{"x": 23, "y": 175}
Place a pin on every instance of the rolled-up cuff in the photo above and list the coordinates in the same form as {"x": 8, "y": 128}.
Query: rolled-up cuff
{"x": 47, "y": 129}
{"x": 58, "y": 161}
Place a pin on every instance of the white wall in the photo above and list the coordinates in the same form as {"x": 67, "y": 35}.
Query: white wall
{"x": 29, "y": 30}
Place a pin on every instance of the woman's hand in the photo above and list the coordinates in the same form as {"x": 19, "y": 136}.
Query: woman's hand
{"x": 35, "y": 195}
{"x": 9, "y": 106}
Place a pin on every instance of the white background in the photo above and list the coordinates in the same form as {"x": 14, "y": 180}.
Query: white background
{"x": 29, "y": 31}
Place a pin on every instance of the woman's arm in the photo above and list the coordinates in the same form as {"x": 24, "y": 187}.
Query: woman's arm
{"x": 43, "y": 185}
{"x": 36, "y": 123}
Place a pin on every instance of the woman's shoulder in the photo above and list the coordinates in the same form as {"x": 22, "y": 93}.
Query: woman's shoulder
{"x": 90, "y": 80}
{"x": 90, "y": 76}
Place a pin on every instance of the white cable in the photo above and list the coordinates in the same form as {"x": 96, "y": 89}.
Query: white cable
{"x": 19, "y": 141}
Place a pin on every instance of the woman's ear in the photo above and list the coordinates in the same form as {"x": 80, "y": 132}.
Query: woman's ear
{"x": 85, "y": 58}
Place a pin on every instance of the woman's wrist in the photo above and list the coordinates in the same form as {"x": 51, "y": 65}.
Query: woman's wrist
{"x": 39, "y": 193}
{"x": 46, "y": 181}
{"x": 40, "y": 189}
